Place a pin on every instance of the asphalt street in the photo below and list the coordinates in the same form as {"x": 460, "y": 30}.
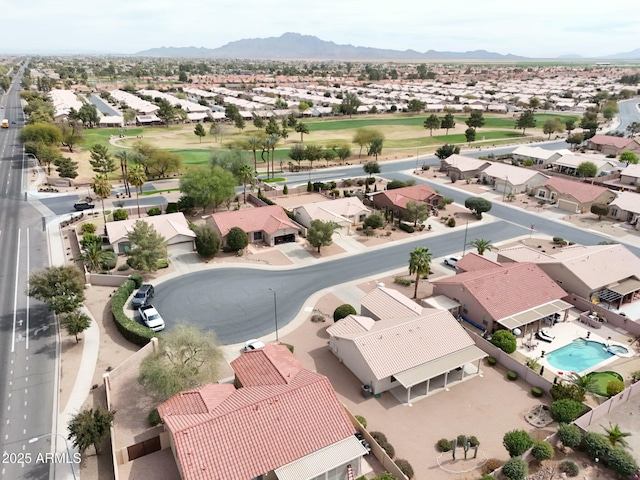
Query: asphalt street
{"x": 628, "y": 113}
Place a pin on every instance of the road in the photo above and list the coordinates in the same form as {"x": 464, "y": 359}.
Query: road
{"x": 28, "y": 340}
{"x": 628, "y": 113}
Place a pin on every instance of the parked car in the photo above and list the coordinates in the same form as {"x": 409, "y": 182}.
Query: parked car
{"x": 451, "y": 261}
{"x": 143, "y": 296}
{"x": 79, "y": 206}
{"x": 151, "y": 318}
{"x": 254, "y": 344}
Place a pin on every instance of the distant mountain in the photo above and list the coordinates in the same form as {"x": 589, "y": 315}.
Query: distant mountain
{"x": 632, "y": 55}
{"x": 297, "y": 46}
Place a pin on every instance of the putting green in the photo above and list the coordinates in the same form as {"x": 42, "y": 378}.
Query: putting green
{"x": 602, "y": 379}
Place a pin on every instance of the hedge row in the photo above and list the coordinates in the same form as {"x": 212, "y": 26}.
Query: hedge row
{"x": 129, "y": 328}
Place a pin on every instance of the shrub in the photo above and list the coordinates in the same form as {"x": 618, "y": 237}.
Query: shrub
{"x": 491, "y": 465}
{"x": 444, "y": 445}
{"x": 128, "y": 328}
{"x": 567, "y": 390}
{"x": 537, "y": 392}
{"x": 88, "y": 239}
{"x": 491, "y": 361}
{"x": 596, "y": 445}
{"x": 505, "y": 341}
{"x": 515, "y": 469}
{"x": 488, "y": 477}
{"x": 123, "y": 267}
{"x": 186, "y": 203}
{"x": 153, "y": 211}
{"x": 172, "y": 207}
{"x": 237, "y": 239}
{"x": 517, "y": 442}
{"x": 569, "y": 434}
{"x": 88, "y": 227}
{"x": 387, "y": 447}
{"x": 285, "y": 190}
{"x": 379, "y": 437}
{"x": 569, "y": 467}
{"x": 154, "y": 417}
{"x": 402, "y": 281}
{"x": 207, "y": 240}
{"x": 374, "y": 221}
{"x": 393, "y": 184}
{"x": 120, "y": 214}
{"x": 367, "y": 232}
{"x": 473, "y": 441}
{"x": 511, "y": 375}
{"x": 163, "y": 263}
{"x": 558, "y": 240}
{"x": 288, "y": 345}
{"x": 566, "y": 410}
{"x": 406, "y": 227}
{"x": 451, "y": 222}
{"x": 622, "y": 462}
{"x": 309, "y": 186}
{"x": 405, "y": 467}
{"x": 542, "y": 451}
{"x": 614, "y": 387}
{"x": 110, "y": 260}
{"x": 362, "y": 420}
{"x": 137, "y": 280}
{"x": 342, "y": 311}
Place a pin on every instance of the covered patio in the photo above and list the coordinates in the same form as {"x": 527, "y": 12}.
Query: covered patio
{"x": 625, "y": 291}
{"x": 549, "y": 314}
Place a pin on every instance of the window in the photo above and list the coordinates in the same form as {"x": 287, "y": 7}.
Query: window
{"x": 124, "y": 247}
{"x": 485, "y": 321}
{"x": 542, "y": 193}
{"x": 553, "y": 195}
{"x": 257, "y": 236}
{"x": 361, "y": 218}
{"x": 614, "y": 212}
{"x": 464, "y": 309}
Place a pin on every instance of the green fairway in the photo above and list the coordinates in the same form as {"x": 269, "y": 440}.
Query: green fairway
{"x": 196, "y": 156}
{"x": 602, "y": 379}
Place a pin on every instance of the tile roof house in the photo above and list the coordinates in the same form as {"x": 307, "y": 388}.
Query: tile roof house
{"x": 626, "y": 207}
{"x": 630, "y": 175}
{"x": 610, "y": 145}
{"x": 573, "y": 195}
{"x": 172, "y": 226}
{"x": 609, "y": 273}
{"x": 396, "y": 199}
{"x": 383, "y": 302}
{"x": 507, "y": 296}
{"x": 270, "y": 224}
{"x": 510, "y": 179}
{"x": 345, "y": 212}
{"x": 464, "y": 167}
{"x": 472, "y": 261}
{"x": 412, "y": 357}
{"x": 280, "y": 421}
{"x": 539, "y": 156}
{"x": 569, "y": 164}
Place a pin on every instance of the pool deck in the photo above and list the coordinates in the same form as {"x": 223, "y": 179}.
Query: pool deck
{"x": 566, "y": 332}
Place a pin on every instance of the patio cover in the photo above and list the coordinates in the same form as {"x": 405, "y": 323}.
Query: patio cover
{"x": 429, "y": 370}
{"x": 626, "y": 286}
{"x": 536, "y": 313}
{"x": 440, "y": 301}
{"x": 323, "y": 460}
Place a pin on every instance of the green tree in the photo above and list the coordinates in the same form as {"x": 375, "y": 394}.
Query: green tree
{"x": 102, "y": 188}
{"x": 258, "y": 122}
{"x": 75, "y": 323}
{"x": 187, "y": 358}
{"x": 328, "y": 155}
{"x": 575, "y": 140}
{"x": 542, "y": 451}
{"x": 272, "y": 127}
{"x": 208, "y": 186}
{"x": 89, "y": 427}
{"x": 599, "y": 209}
{"x": 46, "y": 154}
{"x": 60, "y": 288}
{"x": 566, "y": 410}
{"x": 101, "y": 160}
{"x": 587, "y": 169}
{"x": 350, "y": 103}
{"x": 343, "y": 311}
{"x": 534, "y": 102}
{"x": 552, "y": 125}
{"x": 88, "y": 113}
{"x": 476, "y": 119}
{"x": 633, "y": 129}
{"x": 415, "y": 105}
{"x": 417, "y": 212}
{"x": 515, "y": 469}
{"x": 517, "y": 442}
{"x": 481, "y": 245}
{"x": 526, "y": 120}
{"x": 432, "y": 122}
{"x": 320, "y": 233}
{"x": 371, "y": 168}
{"x": 610, "y": 110}
{"x": 470, "y": 134}
{"x": 297, "y": 153}
{"x": 253, "y": 143}
{"x": 420, "y": 264}
{"x": 373, "y": 221}
{"x": 629, "y": 157}
{"x": 302, "y": 129}
{"x": 569, "y": 434}
{"x": 589, "y": 123}
{"x": 313, "y": 153}
{"x": 375, "y": 147}
{"x": 41, "y": 133}
{"x": 207, "y": 240}
{"x": 246, "y": 175}
{"x": 237, "y": 239}
{"x": 126, "y": 157}
{"x": 570, "y": 125}
{"x": 148, "y": 247}
{"x": 478, "y": 205}
{"x": 446, "y": 150}
{"x": 66, "y": 167}
{"x": 364, "y": 136}
{"x": 616, "y": 436}
{"x": 166, "y": 112}
{"x": 239, "y": 123}
{"x": 71, "y": 135}
{"x": 137, "y": 178}
{"x": 448, "y": 121}
{"x": 199, "y": 131}
{"x": 505, "y": 341}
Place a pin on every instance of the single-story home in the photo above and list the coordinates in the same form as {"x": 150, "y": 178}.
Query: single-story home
{"x": 150, "y": 119}
{"x": 383, "y": 302}
{"x": 463, "y": 167}
{"x": 277, "y": 421}
{"x": 610, "y": 145}
{"x": 510, "y": 179}
{"x": 173, "y": 227}
{"x": 630, "y": 175}
{"x": 473, "y": 261}
{"x": 345, "y": 212}
{"x": 569, "y": 164}
{"x": 269, "y": 224}
{"x": 605, "y": 273}
{"x": 573, "y": 195}
{"x": 412, "y": 357}
{"x": 626, "y": 207}
{"x": 396, "y": 200}
{"x": 506, "y": 296}
{"x": 539, "y": 156}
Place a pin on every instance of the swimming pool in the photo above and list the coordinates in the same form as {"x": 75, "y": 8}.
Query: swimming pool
{"x": 581, "y": 355}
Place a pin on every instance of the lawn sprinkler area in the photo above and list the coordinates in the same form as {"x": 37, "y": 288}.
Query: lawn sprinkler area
{"x": 602, "y": 379}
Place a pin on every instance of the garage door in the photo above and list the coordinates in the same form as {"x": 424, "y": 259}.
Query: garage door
{"x": 568, "y": 206}
{"x": 285, "y": 239}
{"x": 178, "y": 248}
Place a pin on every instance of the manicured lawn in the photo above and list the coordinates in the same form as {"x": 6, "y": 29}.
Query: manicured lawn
{"x": 603, "y": 378}
{"x": 196, "y": 156}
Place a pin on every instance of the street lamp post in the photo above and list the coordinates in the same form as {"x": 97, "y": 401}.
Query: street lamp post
{"x": 66, "y": 443}
{"x": 464, "y": 247}
{"x": 275, "y": 311}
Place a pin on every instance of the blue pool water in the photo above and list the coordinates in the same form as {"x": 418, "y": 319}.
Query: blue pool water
{"x": 578, "y": 356}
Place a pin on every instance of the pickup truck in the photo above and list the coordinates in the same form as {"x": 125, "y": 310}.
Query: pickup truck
{"x": 151, "y": 318}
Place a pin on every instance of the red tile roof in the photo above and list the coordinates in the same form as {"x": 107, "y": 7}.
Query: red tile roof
{"x": 472, "y": 261}
{"x": 271, "y": 365}
{"x": 509, "y": 289}
{"x": 401, "y": 196}
{"x": 617, "y": 142}
{"x": 581, "y": 191}
{"x": 268, "y": 219}
{"x": 220, "y": 433}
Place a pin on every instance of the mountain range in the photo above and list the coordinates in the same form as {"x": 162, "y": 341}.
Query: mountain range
{"x": 297, "y": 46}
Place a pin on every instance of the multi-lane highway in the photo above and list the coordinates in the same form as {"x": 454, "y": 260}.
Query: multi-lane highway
{"x": 28, "y": 346}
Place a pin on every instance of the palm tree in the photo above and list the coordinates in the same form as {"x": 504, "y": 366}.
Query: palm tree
{"x": 125, "y": 156}
{"x": 616, "y": 436}
{"x": 254, "y": 143}
{"x": 302, "y": 129}
{"x": 481, "y": 245}
{"x": 587, "y": 383}
{"x": 94, "y": 257}
{"x": 420, "y": 264}
{"x": 137, "y": 178}
{"x": 267, "y": 144}
{"x": 274, "y": 137}
{"x": 102, "y": 187}
{"x": 246, "y": 176}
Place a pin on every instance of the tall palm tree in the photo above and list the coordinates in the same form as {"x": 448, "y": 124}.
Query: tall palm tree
{"x": 267, "y": 144}
{"x": 420, "y": 264}
{"x": 274, "y": 137}
{"x": 254, "y": 143}
{"x": 482, "y": 245}
{"x": 137, "y": 178}
{"x": 616, "y": 436}
{"x": 246, "y": 175}
{"x": 125, "y": 157}
{"x": 102, "y": 187}
{"x": 302, "y": 129}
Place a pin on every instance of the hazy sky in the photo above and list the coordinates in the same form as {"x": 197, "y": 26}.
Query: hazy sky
{"x": 539, "y": 28}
